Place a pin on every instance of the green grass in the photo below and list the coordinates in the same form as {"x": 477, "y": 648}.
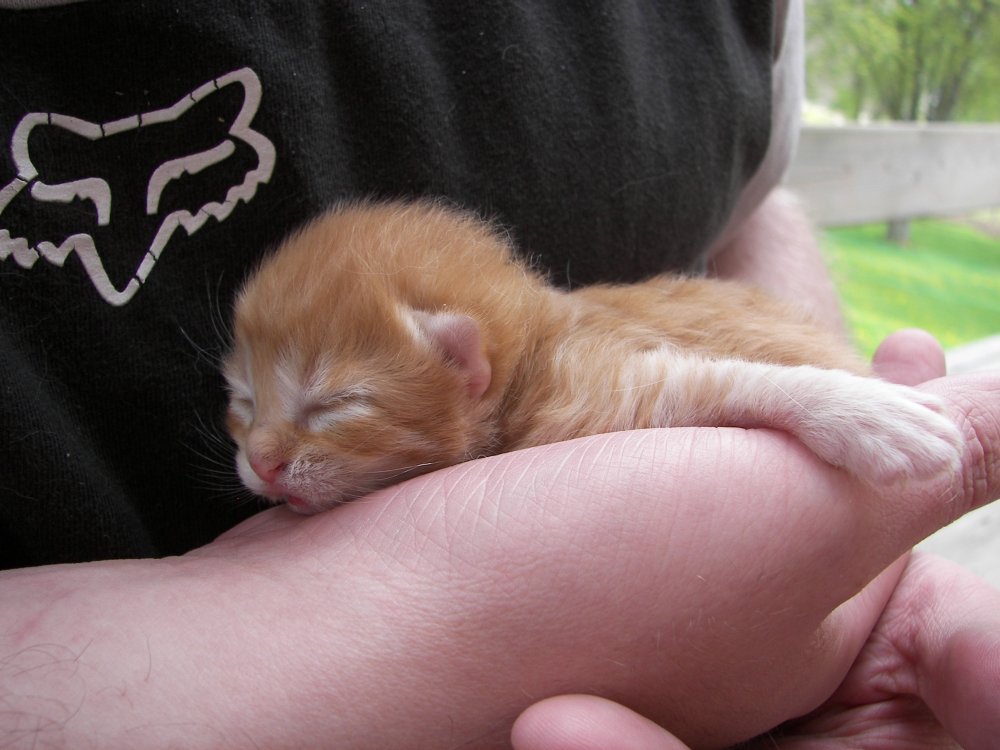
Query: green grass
{"x": 945, "y": 280}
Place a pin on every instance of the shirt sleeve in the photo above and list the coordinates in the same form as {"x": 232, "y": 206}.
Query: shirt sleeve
{"x": 788, "y": 91}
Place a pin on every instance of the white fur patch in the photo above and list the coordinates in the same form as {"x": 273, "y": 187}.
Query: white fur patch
{"x": 878, "y": 431}
{"x": 241, "y": 398}
{"x": 416, "y": 331}
{"x": 288, "y": 387}
{"x": 324, "y": 417}
{"x": 320, "y": 410}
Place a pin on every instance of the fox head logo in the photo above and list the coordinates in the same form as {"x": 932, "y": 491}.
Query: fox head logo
{"x": 141, "y": 177}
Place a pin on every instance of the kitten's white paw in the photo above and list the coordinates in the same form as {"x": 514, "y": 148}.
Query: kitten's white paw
{"x": 881, "y": 432}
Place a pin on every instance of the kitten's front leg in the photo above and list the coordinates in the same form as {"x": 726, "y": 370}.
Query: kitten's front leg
{"x": 878, "y": 431}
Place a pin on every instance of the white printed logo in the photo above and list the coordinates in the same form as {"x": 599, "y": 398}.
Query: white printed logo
{"x": 246, "y": 156}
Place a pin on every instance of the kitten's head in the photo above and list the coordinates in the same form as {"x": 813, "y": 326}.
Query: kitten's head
{"x": 338, "y": 387}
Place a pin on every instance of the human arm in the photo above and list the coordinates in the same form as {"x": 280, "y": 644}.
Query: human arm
{"x": 926, "y": 675}
{"x": 434, "y": 612}
{"x": 776, "y": 248}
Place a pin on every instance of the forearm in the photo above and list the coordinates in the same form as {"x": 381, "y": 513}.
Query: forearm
{"x": 83, "y": 662}
{"x": 777, "y": 250}
{"x": 428, "y": 618}
{"x": 187, "y": 652}
{"x": 287, "y": 633}
{"x": 92, "y": 659}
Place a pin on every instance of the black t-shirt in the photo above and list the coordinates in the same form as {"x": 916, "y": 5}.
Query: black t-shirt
{"x": 151, "y": 153}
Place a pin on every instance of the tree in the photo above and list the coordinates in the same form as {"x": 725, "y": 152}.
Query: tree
{"x": 928, "y": 60}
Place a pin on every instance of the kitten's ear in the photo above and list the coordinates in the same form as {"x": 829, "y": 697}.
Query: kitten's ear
{"x": 459, "y": 338}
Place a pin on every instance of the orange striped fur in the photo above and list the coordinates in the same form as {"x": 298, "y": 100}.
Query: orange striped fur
{"x": 385, "y": 340}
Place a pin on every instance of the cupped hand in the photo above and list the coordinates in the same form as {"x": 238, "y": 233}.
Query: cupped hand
{"x": 928, "y": 674}
{"x": 928, "y": 677}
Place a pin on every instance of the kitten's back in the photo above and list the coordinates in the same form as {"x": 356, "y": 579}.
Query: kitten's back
{"x": 715, "y": 318}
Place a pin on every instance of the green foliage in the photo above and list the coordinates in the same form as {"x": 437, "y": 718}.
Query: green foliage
{"x": 946, "y": 280}
{"x": 906, "y": 59}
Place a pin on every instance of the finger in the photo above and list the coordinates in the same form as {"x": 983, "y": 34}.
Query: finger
{"x": 897, "y": 723}
{"x": 974, "y": 402}
{"x": 909, "y": 357}
{"x": 586, "y": 722}
{"x": 936, "y": 646}
{"x": 955, "y": 641}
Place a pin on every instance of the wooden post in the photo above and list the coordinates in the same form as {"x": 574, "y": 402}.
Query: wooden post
{"x": 898, "y": 231}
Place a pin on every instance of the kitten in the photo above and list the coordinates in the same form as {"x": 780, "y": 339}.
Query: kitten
{"x": 386, "y": 340}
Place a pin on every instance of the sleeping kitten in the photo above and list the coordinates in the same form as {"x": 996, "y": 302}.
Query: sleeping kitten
{"x": 384, "y": 341}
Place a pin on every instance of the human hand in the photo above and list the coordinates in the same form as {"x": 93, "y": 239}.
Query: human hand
{"x": 927, "y": 676}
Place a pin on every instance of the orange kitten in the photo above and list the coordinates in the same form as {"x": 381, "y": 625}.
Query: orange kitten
{"x": 384, "y": 341}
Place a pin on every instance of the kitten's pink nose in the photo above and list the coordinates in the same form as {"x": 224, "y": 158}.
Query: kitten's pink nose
{"x": 267, "y": 469}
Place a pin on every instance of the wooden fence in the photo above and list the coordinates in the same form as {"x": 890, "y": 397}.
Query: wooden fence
{"x": 858, "y": 174}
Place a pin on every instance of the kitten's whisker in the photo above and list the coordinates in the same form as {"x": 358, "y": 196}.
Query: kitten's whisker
{"x": 246, "y": 497}
{"x": 218, "y": 319}
{"x": 214, "y": 358}
{"x": 216, "y": 462}
{"x": 390, "y": 474}
{"x": 355, "y": 449}
{"x": 222, "y": 473}
{"x": 651, "y": 384}
{"x": 215, "y": 469}
{"x": 211, "y": 443}
{"x": 404, "y": 468}
{"x": 214, "y": 435}
{"x": 787, "y": 394}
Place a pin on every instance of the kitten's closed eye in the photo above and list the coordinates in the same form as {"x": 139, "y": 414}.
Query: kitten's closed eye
{"x": 310, "y": 405}
{"x": 241, "y": 401}
{"x": 325, "y": 413}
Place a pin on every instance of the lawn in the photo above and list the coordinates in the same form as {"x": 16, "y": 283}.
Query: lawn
{"x": 946, "y": 279}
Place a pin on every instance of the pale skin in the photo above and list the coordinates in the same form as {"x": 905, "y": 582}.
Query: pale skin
{"x": 927, "y": 675}
{"x": 434, "y": 613}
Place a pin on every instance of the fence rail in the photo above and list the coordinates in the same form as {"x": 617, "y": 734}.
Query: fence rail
{"x": 858, "y": 174}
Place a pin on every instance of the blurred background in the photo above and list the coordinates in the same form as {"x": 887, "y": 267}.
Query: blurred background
{"x": 899, "y": 164}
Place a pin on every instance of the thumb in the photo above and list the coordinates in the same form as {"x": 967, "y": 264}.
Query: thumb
{"x": 913, "y": 357}
{"x": 586, "y": 722}
{"x": 909, "y": 357}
